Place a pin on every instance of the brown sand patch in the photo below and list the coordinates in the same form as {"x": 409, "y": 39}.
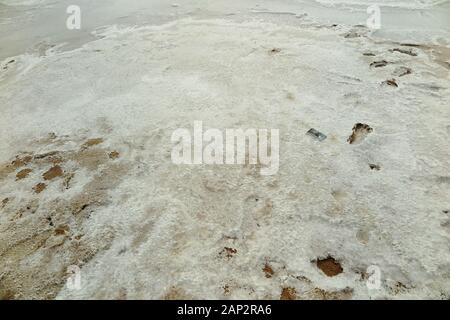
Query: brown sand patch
{"x": 35, "y": 281}
{"x": 226, "y": 290}
{"x": 95, "y": 192}
{"x": 228, "y": 252}
{"x": 6, "y": 294}
{"x": 122, "y": 294}
{"x": 22, "y": 174}
{"x": 91, "y": 158}
{"x": 329, "y": 266}
{"x": 5, "y": 170}
{"x": 320, "y": 294}
{"x": 28, "y": 208}
{"x": 62, "y": 230}
{"x": 268, "y": 271}
{"x": 18, "y": 162}
{"x": 56, "y": 221}
{"x": 24, "y": 247}
{"x": 55, "y": 240}
{"x": 39, "y": 187}
{"x": 54, "y": 157}
{"x": 53, "y": 172}
{"x": 21, "y": 161}
{"x": 113, "y": 155}
{"x": 288, "y": 293}
{"x": 175, "y": 293}
{"x": 398, "y": 287}
{"x": 439, "y": 53}
{"x": 4, "y": 202}
{"x": 91, "y": 142}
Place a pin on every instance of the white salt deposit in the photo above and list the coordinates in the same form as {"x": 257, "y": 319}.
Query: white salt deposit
{"x": 139, "y": 226}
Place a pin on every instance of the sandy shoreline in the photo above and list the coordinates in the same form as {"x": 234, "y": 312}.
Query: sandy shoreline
{"x": 87, "y": 179}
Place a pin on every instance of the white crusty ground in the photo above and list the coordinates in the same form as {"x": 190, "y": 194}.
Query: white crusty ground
{"x": 160, "y": 228}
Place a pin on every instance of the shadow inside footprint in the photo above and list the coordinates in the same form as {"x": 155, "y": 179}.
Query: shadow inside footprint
{"x": 360, "y": 132}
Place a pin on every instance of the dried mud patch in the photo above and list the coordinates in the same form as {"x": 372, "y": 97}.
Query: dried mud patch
{"x": 268, "y": 271}
{"x": 329, "y": 266}
{"x": 320, "y": 294}
{"x": 228, "y": 252}
{"x": 39, "y": 187}
{"x": 176, "y": 293}
{"x": 91, "y": 142}
{"x": 288, "y": 293}
{"x": 4, "y": 202}
{"x": 53, "y": 172}
{"x": 22, "y": 174}
{"x": 43, "y": 232}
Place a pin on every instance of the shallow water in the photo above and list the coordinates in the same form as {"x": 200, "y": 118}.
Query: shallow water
{"x": 28, "y": 24}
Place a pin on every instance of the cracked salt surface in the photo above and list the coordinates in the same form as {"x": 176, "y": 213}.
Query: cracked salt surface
{"x": 139, "y": 226}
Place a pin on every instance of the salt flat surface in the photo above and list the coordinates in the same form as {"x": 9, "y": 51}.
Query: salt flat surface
{"x": 91, "y": 127}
